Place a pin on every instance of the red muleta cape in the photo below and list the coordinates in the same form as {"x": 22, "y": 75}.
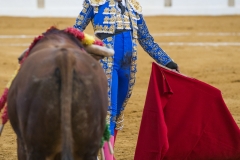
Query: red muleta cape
{"x": 185, "y": 119}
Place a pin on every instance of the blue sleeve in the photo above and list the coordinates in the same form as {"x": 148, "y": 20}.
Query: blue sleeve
{"x": 148, "y": 44}
{"x": 85, "y": 16}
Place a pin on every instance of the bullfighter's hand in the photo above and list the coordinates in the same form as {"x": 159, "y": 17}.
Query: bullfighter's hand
{"x": 173, "y": 65}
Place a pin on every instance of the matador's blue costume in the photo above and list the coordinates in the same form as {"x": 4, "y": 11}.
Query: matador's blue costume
{"x": 120, "y": 31}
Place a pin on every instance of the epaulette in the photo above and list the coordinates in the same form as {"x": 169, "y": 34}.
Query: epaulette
{"x": 97, "y": 2}
{"x": 135, "y": 6}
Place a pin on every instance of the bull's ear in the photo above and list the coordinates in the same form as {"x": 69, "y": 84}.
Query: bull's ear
{"x": 99, "y": 52}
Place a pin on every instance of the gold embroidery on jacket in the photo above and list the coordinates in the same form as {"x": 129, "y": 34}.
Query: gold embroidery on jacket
{"x": 106, "y": 11}
{"x": 112, "y": 3}
{"x": 85, "y": 5}
{"x": 127, "y": 26}
{"x": 105, "y": 29}
{"x": 126, "y": 14}
{"x": 112, "y": 19}
{"x": 133, "y": 21}
{"x": 111, "y": 29}
{"x": 135, "y": 6}
{"x": 119, "y": 18}
{"x": 109, "y": 39}
{"x": 84, "y": 10}
{"x": 101, "y": 28}
{"x": 106, "y": 19}
{"x": 126, "y": 19}
{"x": 95, "y": 9}
{"x": 80, "y": 17}
{"x": 113, "y": 10}
{"x": 119, "y": 26}
{"x": 97, "y": 2}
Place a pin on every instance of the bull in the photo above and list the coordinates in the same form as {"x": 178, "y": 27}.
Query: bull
{"x": 57, "y": 103}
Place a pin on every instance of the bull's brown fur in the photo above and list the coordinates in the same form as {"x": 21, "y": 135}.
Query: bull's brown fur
{"x": 57, "y": 103}
{"x": 65, "y": 63}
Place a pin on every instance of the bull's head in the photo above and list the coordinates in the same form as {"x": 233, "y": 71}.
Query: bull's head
{"x": 99, "y": 52}
{"x": 91, "y": 45}
{"x": 96, "y": 51}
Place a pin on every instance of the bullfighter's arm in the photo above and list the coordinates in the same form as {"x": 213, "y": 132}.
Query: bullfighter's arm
{"x": 152, "y": 48}
{"x": 85, "y": 16}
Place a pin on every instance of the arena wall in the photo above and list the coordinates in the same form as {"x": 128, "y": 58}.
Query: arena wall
{"x": 71, "y": 8}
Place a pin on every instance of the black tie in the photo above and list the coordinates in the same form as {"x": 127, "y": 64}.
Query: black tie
{"x": 120, "y": 5}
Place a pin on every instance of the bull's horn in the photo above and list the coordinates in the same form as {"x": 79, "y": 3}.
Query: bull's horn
{"x": 99, "y": 50}
{"x": 22, "y": 55}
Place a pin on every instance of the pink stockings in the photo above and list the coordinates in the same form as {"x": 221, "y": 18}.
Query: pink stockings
{"x": 108, "y": 155}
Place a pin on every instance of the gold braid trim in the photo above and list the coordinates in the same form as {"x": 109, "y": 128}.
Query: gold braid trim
{"x": 119, "y": 121}
{"x": 97, "y": 2}
{"x": 135, "y": 6}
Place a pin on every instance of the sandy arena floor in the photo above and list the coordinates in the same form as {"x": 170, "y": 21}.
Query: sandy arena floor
{"x": 206, "y": 48}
